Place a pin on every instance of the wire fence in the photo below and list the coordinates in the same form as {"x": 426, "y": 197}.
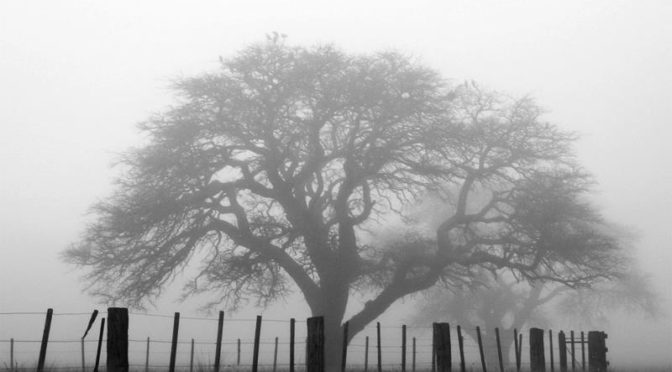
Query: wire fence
{"x": 150, "y": 343}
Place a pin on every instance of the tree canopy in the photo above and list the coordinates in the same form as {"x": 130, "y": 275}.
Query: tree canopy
{"x": 272, "y": 171}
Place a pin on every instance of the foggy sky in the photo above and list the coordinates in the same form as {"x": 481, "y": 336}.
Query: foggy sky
{"x": 76, "y": 77}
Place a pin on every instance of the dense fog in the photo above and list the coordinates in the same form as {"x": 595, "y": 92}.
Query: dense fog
{"x": 76, "y": 78}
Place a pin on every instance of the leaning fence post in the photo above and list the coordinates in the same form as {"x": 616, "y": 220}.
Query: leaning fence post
{"x": 480, "y": 349}
{"x": 45, "y": 340}
{"x": 218, "y": 346}
{"x": 315, "y": 345}
{"x": 147, "y": 357}
{"x": 460, "y": 343}
{"x": 255, "y": 352}
{"x": 442, "y": 347}
{"x": 537, "y": 360}
{"x": 562, "y": 351}
{"x": 499, "y": 350}
{"x": 597, "y": 351}
{"x": 275, "y": 356}
{"x": 100, "y": 344}
{"x": 117, "y": 339}
{"x": 173, "y": 345}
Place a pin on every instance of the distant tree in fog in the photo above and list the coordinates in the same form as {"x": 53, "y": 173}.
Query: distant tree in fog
{"x": 495, "y": 301}
{"x": 631, "y": 292}
{"x": 491, "y": 302}
{"x": 273, "y": 171}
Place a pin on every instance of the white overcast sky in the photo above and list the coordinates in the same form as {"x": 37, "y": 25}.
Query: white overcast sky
{"x": 76, "y": 76}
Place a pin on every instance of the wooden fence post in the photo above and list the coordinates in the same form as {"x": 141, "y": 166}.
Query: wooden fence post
{"x": 460, "y": 343}
{"x": 292, "y": 335}
{"x": 238, "y": 354}
{"x": 173, "y": 345}
{"x": 191, "y": 357}
{"x": 45, "y": 340}
{"x": 480, "y": 349}
{"x": 344, "y": 347}
{"x": 583, "y": 352}
{"x": 516, "y": 348}
{"x": 117, "y": 339}
{"x": 520, "y": 350}
{"x": 499, "y": 350}
{"x": 275, "y": 356}
{"x": 366, "y": 354}
{"x": 255, "y": 352}
{"x": 315, "y": 345}
{"x": 434, "y": 338}
{"x": 82, "y": 351}
{"x": 11, "y": 354}
{"x": 100, "y": 344}
{"x": 147, "y": 357}
{"x": 550, "y": 349}
{"x": 414, "y": 354}
{"x": 403, "y": 348}
{"x": 597, "y": 351}
{"x": 218, "y": 346}
{"x": 442, "y": 347}
{"x": 537, "y": 360}
{"x": 380, "y": 353}
{"x": 562, "y": 351}
{"x": 571, "y": 339}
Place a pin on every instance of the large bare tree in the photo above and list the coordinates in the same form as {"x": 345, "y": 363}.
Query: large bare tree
{"x": 271, "y": 172}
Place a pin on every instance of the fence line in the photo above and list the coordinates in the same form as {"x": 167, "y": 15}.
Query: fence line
{"x": 275, "y": 350}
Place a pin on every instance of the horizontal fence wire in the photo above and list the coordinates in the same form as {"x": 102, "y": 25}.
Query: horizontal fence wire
{"x": 65, "y": 345}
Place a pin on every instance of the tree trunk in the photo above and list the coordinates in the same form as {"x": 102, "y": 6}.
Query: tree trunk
{"x": 332, "y": 307}
{"x": 333, "y": 333}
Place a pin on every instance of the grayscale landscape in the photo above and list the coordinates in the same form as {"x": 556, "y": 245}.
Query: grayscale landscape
{"x": 331, "y": 186}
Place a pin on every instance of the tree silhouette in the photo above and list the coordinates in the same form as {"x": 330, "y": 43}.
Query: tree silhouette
{"x": 494, "y": 302}
{"x": 271, "y": 172}
{"x": 504, "y": 303}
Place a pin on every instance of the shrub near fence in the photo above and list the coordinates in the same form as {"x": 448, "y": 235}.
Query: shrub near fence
{"x": 439, "y": 348}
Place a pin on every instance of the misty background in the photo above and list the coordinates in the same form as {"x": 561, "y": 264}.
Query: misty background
{"x": 77, "y": 76}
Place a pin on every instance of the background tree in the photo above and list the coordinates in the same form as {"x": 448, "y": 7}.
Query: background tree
{"x": 496, "y": 299}
{"x": 272, "y": 171}
{"x": 631, "y": 292}
{"x": 499, "y": 302}
{"x": 492, "y": 302}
